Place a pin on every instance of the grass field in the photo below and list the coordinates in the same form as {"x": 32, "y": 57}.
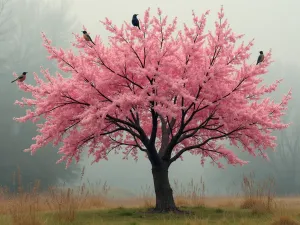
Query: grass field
{"x": 90, "y": 206}
{"x": 222, "y": 211}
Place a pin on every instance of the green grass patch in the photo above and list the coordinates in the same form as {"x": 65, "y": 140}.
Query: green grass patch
{"x": 202, "y": 216}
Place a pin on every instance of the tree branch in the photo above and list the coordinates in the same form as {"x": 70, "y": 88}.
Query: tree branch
{"x": 174, "y": 158}
{"x": 141, "y": 135}
{"x": 154, "y": 127}
{"x": 195, "y": 129}
{"x": 151, "y": 151}
{"x": 136, "y": 145}
{"x": 164, "y": 135}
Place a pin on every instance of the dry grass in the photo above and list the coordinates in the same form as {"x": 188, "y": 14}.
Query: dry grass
{"x": 191, "y": 195}
{"x": 147, "y": 197}
{"x": 258, "y": 196}
{"x": 24, "y": 207}
{"x": 285, "y": 220}
{"x": 70, "y": 205}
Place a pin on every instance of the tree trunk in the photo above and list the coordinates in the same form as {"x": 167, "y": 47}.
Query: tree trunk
{"x": 163, "y": 191}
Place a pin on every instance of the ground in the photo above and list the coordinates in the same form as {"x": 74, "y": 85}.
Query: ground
{"x": 227, "y": 213}
{"x": 91, "y": 205}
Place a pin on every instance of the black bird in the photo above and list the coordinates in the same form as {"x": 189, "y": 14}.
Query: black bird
{"x": 21, "y": 78}
{"x": 87, "y": 37}
{"x": 260, "y": 57}
{"x": 135, "y": 21}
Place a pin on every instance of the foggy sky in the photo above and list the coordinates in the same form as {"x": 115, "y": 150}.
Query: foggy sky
{"x": 274, "y": 24}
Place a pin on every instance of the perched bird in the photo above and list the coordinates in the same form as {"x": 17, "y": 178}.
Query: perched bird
{"x": 260, "y": 57}
{"x": 21, "y": 78}
{"x": 87, "y": 37}
{"x": 135, "y": 21}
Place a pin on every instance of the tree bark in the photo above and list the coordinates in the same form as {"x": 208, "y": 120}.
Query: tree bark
{"x": 163, "y": 191}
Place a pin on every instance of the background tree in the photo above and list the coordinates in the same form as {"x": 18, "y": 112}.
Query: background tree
{"x": 4, "y": 17}
{"x": 4, "y": 21}
{"x": 283, "y": 163}
{"x": 22, "y": 49}
{"x": 158, "y": 92}
{"x": 285, "y": 166}
{"x": 284, "y": 172}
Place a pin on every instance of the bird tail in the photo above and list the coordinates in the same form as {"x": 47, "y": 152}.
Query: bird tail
{"x": 139, "y": 26}
{"x": 14, "y": 80}
{"x": 93, "y": 42}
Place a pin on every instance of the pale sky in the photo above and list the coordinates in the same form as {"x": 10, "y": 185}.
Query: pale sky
{"x": 273, "y": 23}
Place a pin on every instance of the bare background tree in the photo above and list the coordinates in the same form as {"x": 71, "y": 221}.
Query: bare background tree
{"x": 286, "y": 167}
{"x": 21, "y": 50}
{"x": 4, "y": 18}
{"x": 21, "y": 22}
{"x": 5, "y": 12}
{"x": 283, "y": 166}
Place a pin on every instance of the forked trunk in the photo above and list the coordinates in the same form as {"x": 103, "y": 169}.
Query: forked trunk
{"x": 163, "y": 191}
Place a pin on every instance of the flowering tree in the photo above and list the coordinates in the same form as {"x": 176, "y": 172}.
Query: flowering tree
{"x": 158, "y": 91}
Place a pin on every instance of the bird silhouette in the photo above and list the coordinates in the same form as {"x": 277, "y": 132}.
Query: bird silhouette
{"x": 21, "y": 78}
{"x": 260, "y": 57}
{"x": 87, "y": 37}
{"x": 135, "y": 21}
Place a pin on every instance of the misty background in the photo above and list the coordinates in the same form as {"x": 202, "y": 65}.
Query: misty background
{"x": 273, "y": 23}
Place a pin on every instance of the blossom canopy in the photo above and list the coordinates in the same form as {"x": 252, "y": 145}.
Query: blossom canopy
{"x": 156, "y": 90}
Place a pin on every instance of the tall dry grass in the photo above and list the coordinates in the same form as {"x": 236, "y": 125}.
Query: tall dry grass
{"x": 258, "y": 196}
{"x": 285, "y": 220}
{"x": 24, "y": 208}
{"x": 148, "y": 197}
{"x": 193, "y": 194}
{"x": 21, "y": 206}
